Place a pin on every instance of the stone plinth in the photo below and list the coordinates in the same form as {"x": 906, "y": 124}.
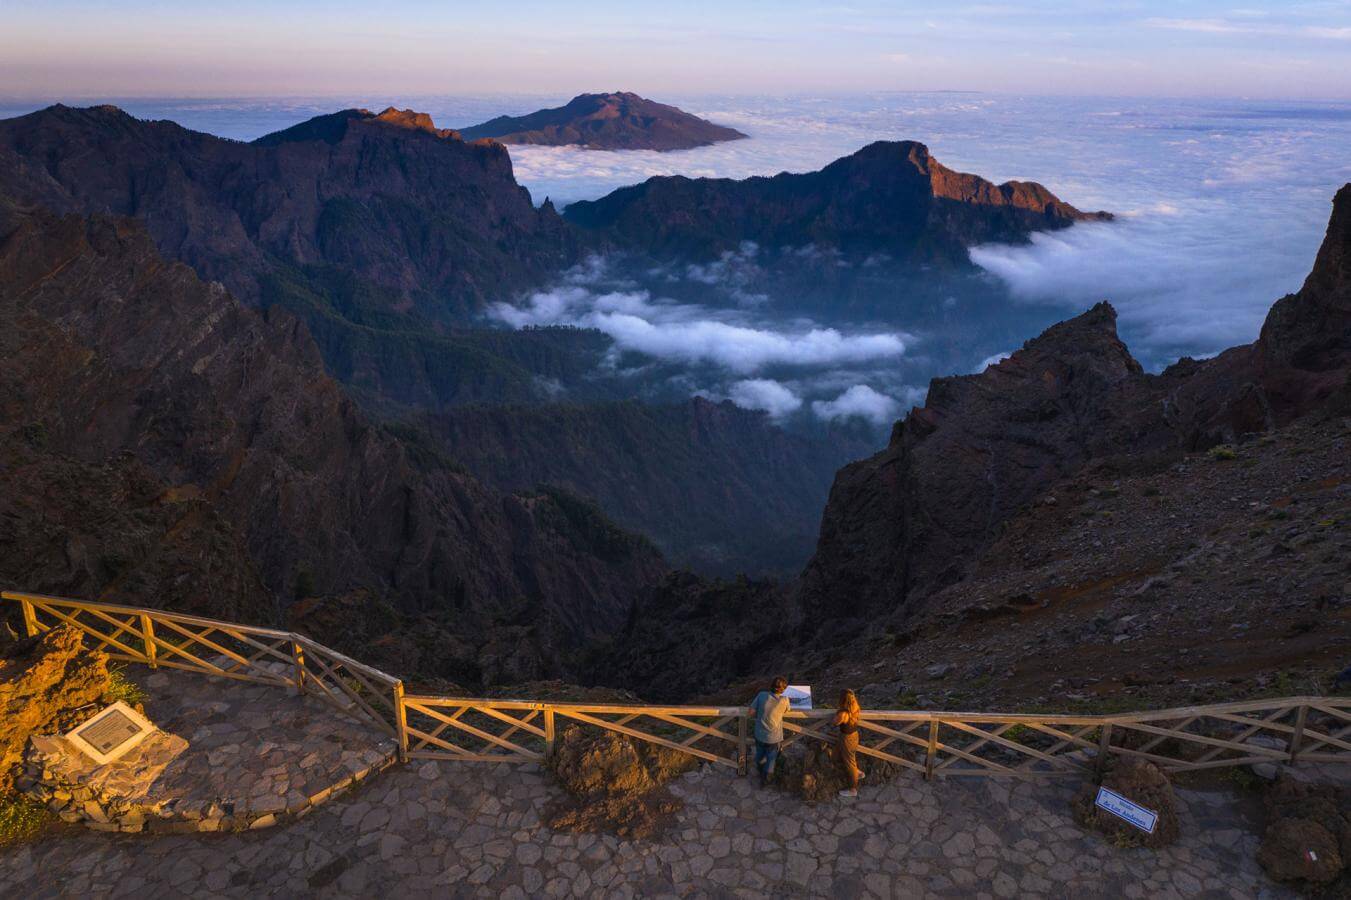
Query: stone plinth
{"x": 229, "y": 756}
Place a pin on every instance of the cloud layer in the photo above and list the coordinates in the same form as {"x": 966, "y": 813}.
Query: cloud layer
{"x": 679, "y": 332}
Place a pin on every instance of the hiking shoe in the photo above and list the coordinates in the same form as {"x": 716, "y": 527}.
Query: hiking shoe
{"x": 849, "y": 793}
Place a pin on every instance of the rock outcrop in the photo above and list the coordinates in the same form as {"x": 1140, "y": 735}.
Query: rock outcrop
{"x": 615, "y": 121}
{"x": 616, "y": 784}
{"x": 43, "y": 683}
{"x": 385, "y": 234}
{"x": 110, "y": 350}
{"x": 909, "y": 520}
{"x": 890, "y": 200}
{"x": 1140, "y": 782}
{"x": 425, "y": 220}
{"x": 1308, "y": 832}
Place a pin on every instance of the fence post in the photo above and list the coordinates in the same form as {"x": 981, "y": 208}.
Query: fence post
{"x": 401, "y": 720}
{"x": 148, "y": 637}
{"x": 548, "y": 732}
{"x": 932, "y": 754}
{"x": 30, "y": 619}
{"x": 298, "y": 656}
{"x": 1297, "y": 735}
{"x": 1104, "y": 750}
{"x": 742, "y": 749}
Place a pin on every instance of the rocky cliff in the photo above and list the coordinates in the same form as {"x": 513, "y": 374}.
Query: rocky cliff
{"x": 615, "y": 121}
{"x": 890, "y": 198}
{"x": 1021, "y": 524}
{"x": 241, "y": 439}
{"x": 910, "y": 519}
{"x": 431, "y": 223}
{"x": 385, "y": 234}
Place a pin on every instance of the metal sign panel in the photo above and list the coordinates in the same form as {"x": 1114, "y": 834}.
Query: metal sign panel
{"x": 110, "y": 733}
{"x": 1137, "y": 815}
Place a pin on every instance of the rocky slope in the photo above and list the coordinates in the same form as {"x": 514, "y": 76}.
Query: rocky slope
{"x": 1029, "y": 514}
{"x": 384, "y": 233}
{"x": 109, "y": 350}
{"x": 615, "y": 121}
{"x": 984, "y": 446}
{"x": 718, "y": 488}
{"x": 890, "y": 200}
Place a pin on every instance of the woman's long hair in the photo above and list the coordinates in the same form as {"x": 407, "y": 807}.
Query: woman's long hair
{"x": 849, "y": 705}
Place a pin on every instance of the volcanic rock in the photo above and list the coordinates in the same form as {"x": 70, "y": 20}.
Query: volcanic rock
{"x": 1308, "y": 833}
{"x": 890, "y": 198}
{"x": 42, "y": 684}
{"x": 616, "y": 784}
{"x": 1141, "y": 782}
{"x": 111, "y": 350}
{"x": 616, "y": 121}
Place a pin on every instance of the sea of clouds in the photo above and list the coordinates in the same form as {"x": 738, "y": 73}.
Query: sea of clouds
{"x": 727, "y": 351}
{"x": 1221, "y": 206}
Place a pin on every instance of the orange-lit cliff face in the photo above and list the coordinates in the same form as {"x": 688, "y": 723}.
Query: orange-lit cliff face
{"x": 889, "y": 198}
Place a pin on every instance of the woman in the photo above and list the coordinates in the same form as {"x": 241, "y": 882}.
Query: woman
{"x": 846, "y": 720}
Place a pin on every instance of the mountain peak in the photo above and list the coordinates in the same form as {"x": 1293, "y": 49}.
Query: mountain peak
{"x": 332, "y": 127}
{"x": 1311, "y": 329}
{"x": 619, "y": 120}
{"x": 889, "y": 197}
{"x": 416, "y": 121}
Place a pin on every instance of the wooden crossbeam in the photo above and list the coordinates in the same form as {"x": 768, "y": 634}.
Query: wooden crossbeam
{"x": 997, "y": 737}
{"x": 342, "y": 685}
{"x": 199, "y": 638}
{"x": 1320, "y": 739}
{"x": 1202, "y": 739}
{"x": 443, "y": 726}
{"x": 1167, "y": 732}
{"x": 476, "y": 732}
{"x": 1254, "y": 726}
{"x": 104, "y": 640}
{"x": 633, "y": 732}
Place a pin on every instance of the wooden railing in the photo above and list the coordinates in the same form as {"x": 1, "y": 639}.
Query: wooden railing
{"x": 162, "y": 639}
{"x": 1286, "y": 730}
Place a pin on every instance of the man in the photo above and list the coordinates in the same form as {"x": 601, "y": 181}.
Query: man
{"x": 768, "y": 709}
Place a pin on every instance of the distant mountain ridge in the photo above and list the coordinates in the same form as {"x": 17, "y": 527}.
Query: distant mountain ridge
{"x": 616, "y": 121}
{"x": 891, "y": 197}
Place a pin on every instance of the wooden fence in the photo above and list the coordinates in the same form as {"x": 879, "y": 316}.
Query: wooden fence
{"x": 1313, "y": 729}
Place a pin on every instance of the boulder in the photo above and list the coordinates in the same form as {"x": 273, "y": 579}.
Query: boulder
{"x": 1308, "y": 834}
{"x": 44, "y": 684}
{"x": 1300, "y": 850}
{"x": 1140, "y": 782}
{"x": 615, "y": 783}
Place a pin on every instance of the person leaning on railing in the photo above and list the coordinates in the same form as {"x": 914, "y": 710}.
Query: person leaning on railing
{"x": 768, "y": 709}
{"x": 846, "y": 720}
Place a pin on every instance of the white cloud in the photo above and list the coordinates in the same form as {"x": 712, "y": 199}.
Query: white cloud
{"x": 681, "y": 332}
{"x": 765, "y": 394}
{"x": 990, "y": 361}
{"x": 859, "y": 401}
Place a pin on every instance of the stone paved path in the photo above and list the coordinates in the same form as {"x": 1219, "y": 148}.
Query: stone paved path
{"x": 255, "y": 753}
{"x": 445, "y": 829}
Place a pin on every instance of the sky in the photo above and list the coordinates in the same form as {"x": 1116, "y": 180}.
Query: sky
{"x": 79, "y": 49}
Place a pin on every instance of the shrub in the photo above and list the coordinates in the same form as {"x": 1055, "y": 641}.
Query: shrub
{"x": 120, "y": 687}
{"x": 21, "y": 819}
{"x": 1223, "y": 453}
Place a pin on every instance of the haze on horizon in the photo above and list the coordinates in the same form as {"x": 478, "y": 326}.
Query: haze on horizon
{"x": 82, "y": 49}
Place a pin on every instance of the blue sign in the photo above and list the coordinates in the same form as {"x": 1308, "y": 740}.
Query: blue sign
{"x": 1134, "y": 813}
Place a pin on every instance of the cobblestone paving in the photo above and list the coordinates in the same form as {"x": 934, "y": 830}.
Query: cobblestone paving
{"x": 445, "y": 829}
{"x": 255, "y": 753}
